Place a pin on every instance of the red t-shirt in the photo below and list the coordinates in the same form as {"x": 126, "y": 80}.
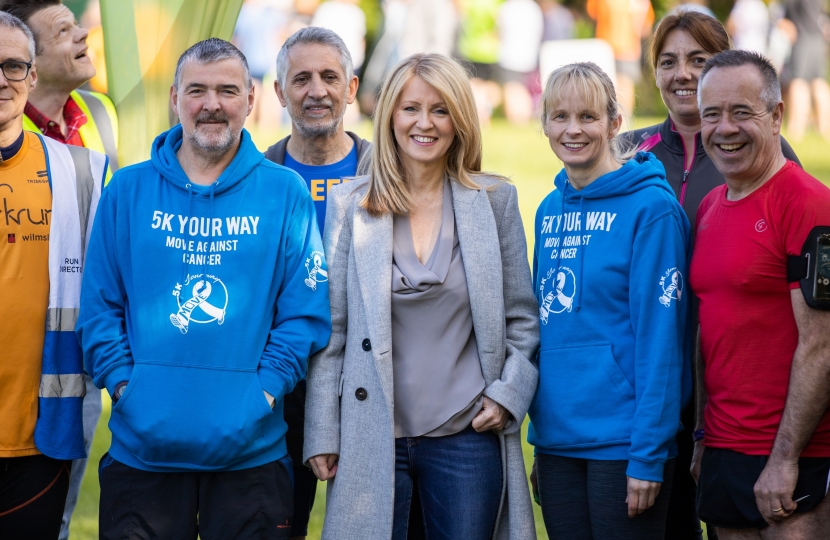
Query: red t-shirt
{"x": 748, "y": 332}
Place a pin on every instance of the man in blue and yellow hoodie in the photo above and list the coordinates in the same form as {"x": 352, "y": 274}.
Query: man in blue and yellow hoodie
{"x": 206, "y": 293}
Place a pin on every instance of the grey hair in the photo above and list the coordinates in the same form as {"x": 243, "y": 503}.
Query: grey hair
{"x": 770, "y": 93}
{"x": 11, "y": 22}
{"x": 309, "y": 35}
{"x": 212, "y": 50}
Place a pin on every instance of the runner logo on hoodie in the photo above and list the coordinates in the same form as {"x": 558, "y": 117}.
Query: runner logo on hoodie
{"x": 314, "y": 267}
{"x": 560, "y": 295}
{"x": 672, "y": 284}
{"x": 205, "y": 301}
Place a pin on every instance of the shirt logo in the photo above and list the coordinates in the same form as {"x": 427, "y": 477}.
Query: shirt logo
{"x": 561, "y": 292}
{"x": 314, "y": 267}
{"x": 672, "y": 285}
{"x": 11, "y": 239}
{"x": 196, "y": 291}
{"x": 761, "y": 225}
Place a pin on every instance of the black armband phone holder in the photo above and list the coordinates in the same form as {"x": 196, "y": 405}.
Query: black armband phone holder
{"x": 812, "y": 269}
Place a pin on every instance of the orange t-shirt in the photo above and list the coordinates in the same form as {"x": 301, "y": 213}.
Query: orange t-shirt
{"x": 25, "y": 211}
{"x": 623, "y": 24}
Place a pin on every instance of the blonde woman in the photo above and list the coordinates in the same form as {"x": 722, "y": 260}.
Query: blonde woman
{"x": 421, "y": 391}
{"x": 610, "y": 275}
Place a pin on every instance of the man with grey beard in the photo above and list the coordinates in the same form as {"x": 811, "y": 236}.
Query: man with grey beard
{"x": 204, "y": 294}
{"x": 315, "y": 83}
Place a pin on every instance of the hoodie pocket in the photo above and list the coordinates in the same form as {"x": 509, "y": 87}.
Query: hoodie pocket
{"x": 191, "y": 417}
{"x": 588, "y": 400}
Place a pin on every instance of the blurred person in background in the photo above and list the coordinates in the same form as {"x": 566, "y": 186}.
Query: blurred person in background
{"x": 559, "y": 21}
{"x": 701, "y": 6}
{"x": 782, "y": 35}
{"x": 748, "y": 24}
{"x": 624, "y": 24}
{"x": 259, "y": 32}
{"x": 682, "y": 43}
{"x": 807, "y": 70}
{"x": 521, "y": 25}
{"x": 60, "y": 110}
{"x": 387, "y": 51}
{"x": 429, "y": 372}
{"x": 614, "y": 368}
{"x": 315, "y": 83}
{"x": 54, "y": 189}
{"x": 430, "y": 27}
{"x": 347, "y": 20}
{"x": 478, "y": 43}
{"x": 409, "y": 27}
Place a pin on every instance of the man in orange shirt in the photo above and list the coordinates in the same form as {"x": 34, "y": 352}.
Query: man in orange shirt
{"x": 623, "y": 24}
{"x": 57, "y": 109}
{"x": 41, "y": 379}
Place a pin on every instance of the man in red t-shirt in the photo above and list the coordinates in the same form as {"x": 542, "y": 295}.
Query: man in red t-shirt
{"x": 765, "y": 355}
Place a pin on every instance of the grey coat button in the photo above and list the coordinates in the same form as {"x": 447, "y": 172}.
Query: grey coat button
{"x": 367, "y": 345}
{"x": 360, "y": 394}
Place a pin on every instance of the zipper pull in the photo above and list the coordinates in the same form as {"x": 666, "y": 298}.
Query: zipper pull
{"x": 685, "y": 176}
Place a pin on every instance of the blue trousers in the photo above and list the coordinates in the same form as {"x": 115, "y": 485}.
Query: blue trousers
{"x": 458, "y": 479}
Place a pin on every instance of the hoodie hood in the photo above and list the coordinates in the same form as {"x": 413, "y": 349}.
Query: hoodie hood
{"x": 163, "y": 158}
{"x": 641, "y": 171}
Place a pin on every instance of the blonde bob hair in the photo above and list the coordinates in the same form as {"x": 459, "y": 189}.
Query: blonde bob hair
{"x": 388, "y": 191}
{"x": 596, "y": 88}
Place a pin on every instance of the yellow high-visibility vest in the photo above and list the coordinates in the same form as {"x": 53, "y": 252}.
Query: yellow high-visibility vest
{"x": 100, "y": 133}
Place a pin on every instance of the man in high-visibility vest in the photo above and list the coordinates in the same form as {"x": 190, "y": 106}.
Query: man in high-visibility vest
{"x": 59, "y": 110}
{"x": 49, "y": 193}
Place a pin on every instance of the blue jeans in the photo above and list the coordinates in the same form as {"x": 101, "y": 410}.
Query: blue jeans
{"x": 458, "y": 479}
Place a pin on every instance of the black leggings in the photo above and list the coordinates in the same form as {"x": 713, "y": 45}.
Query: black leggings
{"x": 32, "y": 495}
{"x": 585, "y": 500}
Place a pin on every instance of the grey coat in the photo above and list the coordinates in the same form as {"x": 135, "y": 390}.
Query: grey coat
{"x": 359, "y": 502}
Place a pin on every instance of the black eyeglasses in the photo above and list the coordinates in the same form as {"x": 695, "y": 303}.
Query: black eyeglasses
{"x": 15, "y": 70}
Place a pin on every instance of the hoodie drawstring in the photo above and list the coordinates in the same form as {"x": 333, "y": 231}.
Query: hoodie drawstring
{"x": 189, "y": 187}
{"x": 210, "y": 233}
{"x": 581, "y": 263}
{"x": 581, "y": 260}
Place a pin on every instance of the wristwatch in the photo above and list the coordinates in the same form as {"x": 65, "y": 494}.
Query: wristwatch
{"x": 119, "y": 391}
{"x": 698, "y": 435}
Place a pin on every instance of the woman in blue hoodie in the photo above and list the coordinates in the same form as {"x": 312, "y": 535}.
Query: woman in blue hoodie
{"x": 610, "y": 277}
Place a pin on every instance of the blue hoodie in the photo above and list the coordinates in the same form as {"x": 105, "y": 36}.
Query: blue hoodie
{"x": 202, "y": 297}
{"x": 610, "y": 274}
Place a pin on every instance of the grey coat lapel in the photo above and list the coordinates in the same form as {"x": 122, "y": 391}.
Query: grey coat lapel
{"x": 478, "y": 237}
{"x": 373, "y": 258}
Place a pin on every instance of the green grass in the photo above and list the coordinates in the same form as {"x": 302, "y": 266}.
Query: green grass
{"x": 523, "y": 155}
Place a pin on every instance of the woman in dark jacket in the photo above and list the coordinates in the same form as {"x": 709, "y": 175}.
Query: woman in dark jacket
{"x": 680, "y": 47}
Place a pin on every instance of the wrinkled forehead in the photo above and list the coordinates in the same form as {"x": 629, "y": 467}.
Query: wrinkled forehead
{"x": 219, "y": 73}
{"x": 14, "y": 45}
{"x": 731, "y": 87}
{"x": 51, "y": 17}
{"x": 314, "y": 58}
